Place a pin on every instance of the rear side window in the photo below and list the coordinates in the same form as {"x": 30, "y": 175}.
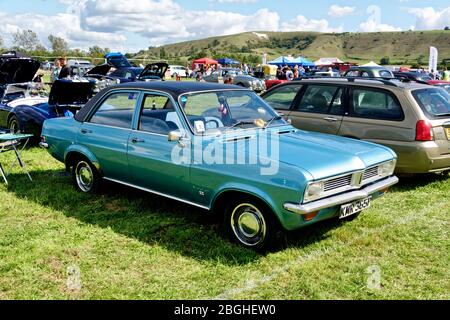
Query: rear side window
{"x": 435, "y": 102}
{"x": 385, "y": 74}
{"x": 319, "y": 99}
{"x": 117, "y": 110}
{"x": 375, "y": 104}
{"x": 281, "y": 98}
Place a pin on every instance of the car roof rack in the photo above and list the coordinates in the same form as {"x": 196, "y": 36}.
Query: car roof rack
{"x": 386, "y": 81}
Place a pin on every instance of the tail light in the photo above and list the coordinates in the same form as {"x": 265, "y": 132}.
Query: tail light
{"x": 424, "y": 131}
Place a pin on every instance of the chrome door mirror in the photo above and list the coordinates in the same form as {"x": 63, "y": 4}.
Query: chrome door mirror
{"x": 175, "y": 136}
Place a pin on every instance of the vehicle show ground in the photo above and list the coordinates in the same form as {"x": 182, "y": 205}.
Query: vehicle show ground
{"x": 56, "y": 243}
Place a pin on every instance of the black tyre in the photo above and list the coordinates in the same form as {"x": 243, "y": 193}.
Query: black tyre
{"x": 250, "y": 223}
{"x": 14, "y": 125}
{"x": 85, "y": 176}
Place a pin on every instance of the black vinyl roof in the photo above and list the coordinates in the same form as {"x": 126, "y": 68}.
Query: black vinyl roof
{"x": 177, "y": 88}
{"x": 173, "y": 88}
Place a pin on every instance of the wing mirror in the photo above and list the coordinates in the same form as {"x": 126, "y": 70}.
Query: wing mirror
{"x": 175, "y": 136}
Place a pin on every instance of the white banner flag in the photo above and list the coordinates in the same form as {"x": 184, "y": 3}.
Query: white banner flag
{"x": 433, "y": 59}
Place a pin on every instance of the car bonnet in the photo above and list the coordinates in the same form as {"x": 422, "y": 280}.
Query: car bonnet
{"x": 70, "y": 92}
{"x": 17, "y": 70}
{"x": 155, "y": 70}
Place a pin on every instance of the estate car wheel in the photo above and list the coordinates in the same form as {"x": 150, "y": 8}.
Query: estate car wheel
{"x": 250, "y": 223}
{"x": 85, "y": 176}
{"x": 13, "y": 125}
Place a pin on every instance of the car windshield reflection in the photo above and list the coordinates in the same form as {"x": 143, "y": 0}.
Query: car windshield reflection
{"x": 219, "y": 111}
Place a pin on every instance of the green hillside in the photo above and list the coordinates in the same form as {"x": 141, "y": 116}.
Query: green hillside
{"x": 407, "y": 47}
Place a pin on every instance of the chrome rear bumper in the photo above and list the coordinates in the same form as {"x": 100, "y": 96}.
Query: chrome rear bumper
{"x": 342, "y": 198}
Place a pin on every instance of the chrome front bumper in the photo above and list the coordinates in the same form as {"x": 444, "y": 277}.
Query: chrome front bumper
{"x": 344, "y": 198}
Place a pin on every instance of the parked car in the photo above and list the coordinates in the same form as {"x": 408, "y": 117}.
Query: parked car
{"x": 414, "y": 76}
{"x": 145, "y": 135}
{"x": 152, "y": 72}
{"x": 369, "y": 72}
{"x": 178, "y": 70}
{"x": 237, "y": 77}
{"x": 23, "y": 110}
{"x": 445, "y": 86}
{"x": 413, "y": 119}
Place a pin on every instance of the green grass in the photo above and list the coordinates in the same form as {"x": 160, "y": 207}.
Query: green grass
{"x": 132, "y": 245}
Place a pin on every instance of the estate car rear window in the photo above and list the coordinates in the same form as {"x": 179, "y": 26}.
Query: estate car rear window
{"x": 375, "y": 104}
{"x": 117, "y": 110}
{"x": 435, "y": 102}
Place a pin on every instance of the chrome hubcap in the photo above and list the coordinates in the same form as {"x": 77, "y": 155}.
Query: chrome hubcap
{"x": 248, "y": 224}
{"x": 84, "y": 176}
{"x": 14, "y": 126}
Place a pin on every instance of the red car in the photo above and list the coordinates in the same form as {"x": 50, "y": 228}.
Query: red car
{"x": 273, "y": 82}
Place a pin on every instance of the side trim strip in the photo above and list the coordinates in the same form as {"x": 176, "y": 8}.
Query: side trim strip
{"x": 158, "y": 193}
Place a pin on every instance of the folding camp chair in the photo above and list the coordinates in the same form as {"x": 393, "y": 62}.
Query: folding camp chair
{"x": 11, "y": 142}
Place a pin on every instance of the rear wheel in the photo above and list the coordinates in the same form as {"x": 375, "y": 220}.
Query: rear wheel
{"x": 85, "y": 176}
{"x": 250, "y": 223}
{"x": 13, "y": 125}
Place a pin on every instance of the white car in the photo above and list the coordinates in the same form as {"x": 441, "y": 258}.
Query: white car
{"x": 178, "y": 70}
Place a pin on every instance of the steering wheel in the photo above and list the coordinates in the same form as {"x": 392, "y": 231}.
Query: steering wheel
{"x": 212, "y": 121}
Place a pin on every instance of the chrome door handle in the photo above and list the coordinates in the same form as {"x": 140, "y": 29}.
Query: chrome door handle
{"x": 85, "y": 131}
{"x": 331, "y": 119}
{"x": 136, "y": 140}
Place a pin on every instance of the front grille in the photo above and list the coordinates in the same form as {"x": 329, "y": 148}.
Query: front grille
{"x": 370, "y": 173}
{"x": 338, "y": 183}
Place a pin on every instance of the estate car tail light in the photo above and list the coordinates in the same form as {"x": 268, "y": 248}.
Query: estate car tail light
{"x": 424, "y": 131}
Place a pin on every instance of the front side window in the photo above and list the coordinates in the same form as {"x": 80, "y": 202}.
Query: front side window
{"x": 435, "y": 102}
{"x": 375, "y": 104}
{"x": 318, "y": 99}
{"x": 158, "y": 115}
{"x": 117, "y": 110}
{"x": 281, "y": 98}
{"x": 211, "y": 112}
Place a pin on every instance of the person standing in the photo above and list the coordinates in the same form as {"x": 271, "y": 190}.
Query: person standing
{"x": 446, "y": 75}
{"x": 296, "y": 72}
{"x": 289, "y": 74}
{"x": 65, "y": 69}
{"x": 56, "y": 71}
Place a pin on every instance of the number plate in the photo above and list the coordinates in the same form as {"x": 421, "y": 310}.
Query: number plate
{"x": 355, "y": 207}
{"x": 447, "y": 131}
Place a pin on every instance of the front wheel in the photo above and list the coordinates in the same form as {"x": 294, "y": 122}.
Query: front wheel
{"x": 13, "y": 125}
{"x": 85, "y": 176}
{"x": 250, "y": 223}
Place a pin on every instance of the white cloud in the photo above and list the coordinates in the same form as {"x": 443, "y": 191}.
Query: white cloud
{"x": 301, "y": 23}
{"x": 374, "y": 24}
{"x": 234, "y": 1}
{"x": 429, "y": 18}
{"x": 338, "y": 11}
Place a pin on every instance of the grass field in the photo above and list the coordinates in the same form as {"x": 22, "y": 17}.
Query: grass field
{"x": 126, "y": 244}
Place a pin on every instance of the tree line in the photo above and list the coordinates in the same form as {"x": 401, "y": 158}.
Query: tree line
{"x": 27, "y": 42}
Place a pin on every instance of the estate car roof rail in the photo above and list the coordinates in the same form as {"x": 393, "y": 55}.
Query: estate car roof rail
{"x": 386, "y": 81}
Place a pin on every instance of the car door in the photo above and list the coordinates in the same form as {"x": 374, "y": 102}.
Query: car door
{"x": 106, "y": 133}
{"x": 152, "y": 158}
{"x": 320, "y": 108}
{"x": 375, "y": 115}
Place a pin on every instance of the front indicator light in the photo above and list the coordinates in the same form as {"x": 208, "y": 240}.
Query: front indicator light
{"x": 310, "y": 216}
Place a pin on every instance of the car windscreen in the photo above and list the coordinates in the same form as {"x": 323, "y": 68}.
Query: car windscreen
{"x": 210, "y": 112}
{"x": 435, "y": 102}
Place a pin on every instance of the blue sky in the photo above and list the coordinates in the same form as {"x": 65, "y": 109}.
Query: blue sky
{"x": 130, "y": 25}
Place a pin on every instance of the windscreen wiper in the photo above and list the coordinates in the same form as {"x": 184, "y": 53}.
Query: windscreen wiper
{"x": 276, "y": 118}
{"x": 241, "y": 123}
